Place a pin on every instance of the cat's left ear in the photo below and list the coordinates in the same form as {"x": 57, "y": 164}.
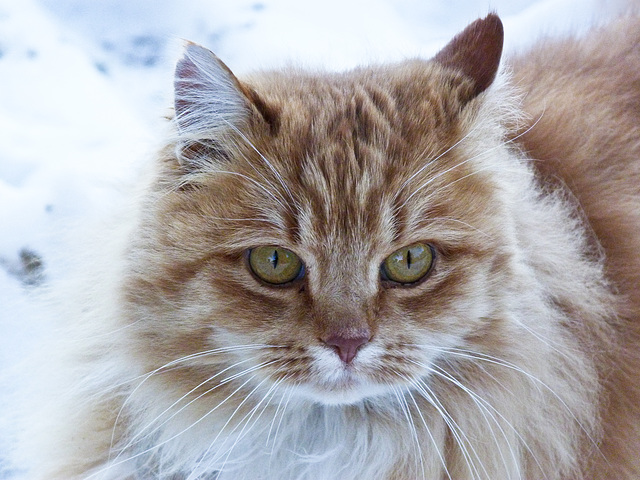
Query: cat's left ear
{"x": 476, "y": 52}
{"x": 211, "y": 105}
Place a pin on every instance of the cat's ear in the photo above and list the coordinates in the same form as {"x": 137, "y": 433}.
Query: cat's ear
{"x": 476, "y": 52}
{"x": 211, "y": 105}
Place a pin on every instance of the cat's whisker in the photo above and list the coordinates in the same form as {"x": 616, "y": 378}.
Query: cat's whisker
{"x": 489, "y": 406}
{"x": 458, "y": 434}
{"x": 278, "y": 407}
{"x": 173, "y": 364}
{"x": 290, "y": 389}
{"x": 247, "y": 418}
{"x": 536, "y": 382}
{"x": 157, "y": 446}
{"x": 436, "y": 220}
{"x": 464, "y": 162}
{"x": 133, "y": 441}
{"x": 273, "y": 196}
{"x": 448, "y": 170}
{"x": 240, "y": 219}
{"x": 266, "y": 161}
{"x": 404, "y": 407}
{"x": 176, "y": 363}
{"x": 139, "y": 437}
{"x": 221, "y": 430}
{"x": 437, "y": 157}
{"x": 485, "y": 409}
{"x": 433, "y": 441}
{"x": 548, "y": 342}
{"x": 487, "y": 168}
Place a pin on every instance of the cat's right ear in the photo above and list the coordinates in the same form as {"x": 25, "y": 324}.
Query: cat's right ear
{"x": 210, "y": 105}
{"x": 476, "y": 52}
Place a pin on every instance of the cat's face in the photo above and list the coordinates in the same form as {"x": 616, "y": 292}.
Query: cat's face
{"x": 340, "y": 239}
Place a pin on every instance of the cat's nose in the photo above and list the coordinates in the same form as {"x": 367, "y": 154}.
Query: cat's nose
{"x": 347, "y": 345}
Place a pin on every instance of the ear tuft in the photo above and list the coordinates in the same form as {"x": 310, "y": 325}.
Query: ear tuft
{"x": 476, "y": 52}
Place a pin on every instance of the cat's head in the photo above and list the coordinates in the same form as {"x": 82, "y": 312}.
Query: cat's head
{"x": 337, "y": 233}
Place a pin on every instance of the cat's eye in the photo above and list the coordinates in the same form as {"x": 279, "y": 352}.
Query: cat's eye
{"x": 408, "y": 264}
{"x": 275, "y": 265}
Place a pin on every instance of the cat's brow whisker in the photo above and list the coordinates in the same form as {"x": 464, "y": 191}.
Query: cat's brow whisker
{"x": 436, "y": 220}
{"x": 257, "y": 184}
{"x": 463, "y": 162}
{"x": 437, "y": 157}
{"x": 450, "y": 169}
{"x": 240, "y": 219}
{"x": 266, "y": 161}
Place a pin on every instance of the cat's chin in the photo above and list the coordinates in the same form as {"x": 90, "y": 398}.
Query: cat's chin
{"x": 349, "y": 390}
{"x": 342, "y": 396}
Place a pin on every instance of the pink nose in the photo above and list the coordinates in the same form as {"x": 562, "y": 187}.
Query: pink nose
{"x": 347, "y": 345}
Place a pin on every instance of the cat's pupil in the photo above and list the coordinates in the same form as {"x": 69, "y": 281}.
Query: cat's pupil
{"x": 273, "y": 259}
{"x": 408, "y": 259}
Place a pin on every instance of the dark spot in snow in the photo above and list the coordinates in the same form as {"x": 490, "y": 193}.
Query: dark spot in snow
{"x": 28, "y": 268}
{"x": 102, "y": 68}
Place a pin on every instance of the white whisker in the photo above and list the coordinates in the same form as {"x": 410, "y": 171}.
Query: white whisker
{"x": 247, "y": 418}
{"x": 224, "y": 426}
{"x": 414, "y": 433}
{"x": 438, "y": 157}
{"x": 226, "y": 380}
{"x": 257, "y": 184}
{"x": 172, "y": 364}
{"x": 139, "y": 437}
{"x": 458, "y": 434}
{"x": 282, "y": 414}
{"x": 266, "y": 161}
{"x": 485, "y": 409}
{"x": 463, "y": 162}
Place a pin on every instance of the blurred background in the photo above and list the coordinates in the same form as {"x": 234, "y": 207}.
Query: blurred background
{"x": 84, "y": 85}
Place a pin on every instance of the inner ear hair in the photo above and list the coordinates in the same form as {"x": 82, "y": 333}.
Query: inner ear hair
{"x": 212, "y": 107}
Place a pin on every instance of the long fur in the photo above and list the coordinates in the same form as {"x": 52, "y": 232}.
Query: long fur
{"x": 517, "y": 358}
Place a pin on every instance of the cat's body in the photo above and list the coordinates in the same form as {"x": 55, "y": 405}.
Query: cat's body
{"x": 514, "y": 355}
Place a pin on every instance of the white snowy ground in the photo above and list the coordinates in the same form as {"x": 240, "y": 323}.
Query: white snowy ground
{"x": 84, "y": 83}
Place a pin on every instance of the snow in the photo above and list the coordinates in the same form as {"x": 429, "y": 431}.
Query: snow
{"x": 84, "y": 86}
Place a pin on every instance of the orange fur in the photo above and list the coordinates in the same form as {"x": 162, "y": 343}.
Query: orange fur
{"x": 585, "y": 94}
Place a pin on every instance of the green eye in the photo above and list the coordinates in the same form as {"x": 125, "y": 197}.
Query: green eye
{"x": 409, "y": 264}
{"x": 275, "y": 265}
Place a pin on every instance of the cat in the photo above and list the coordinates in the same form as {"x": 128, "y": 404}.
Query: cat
{"x": 423, "y": 270}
